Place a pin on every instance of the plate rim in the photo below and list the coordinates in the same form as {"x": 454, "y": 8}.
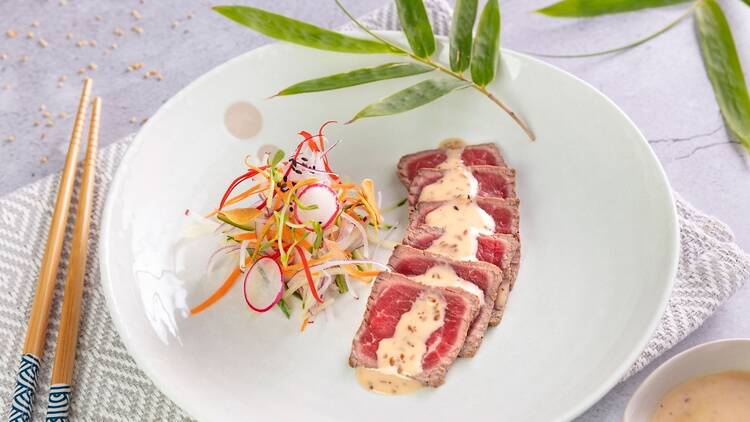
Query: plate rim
{"x": 583, "y": 404}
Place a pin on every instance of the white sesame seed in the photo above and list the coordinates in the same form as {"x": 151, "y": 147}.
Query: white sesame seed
{"x": 62, "y": 115}
{"x": 60, "y": 84}
{"x": 43, "y": 136}
{"x": 63, "y": 2}
{"x": 98, "y": 18}
{"x": 44, "y": 158}
{"x": 10, "y": 138}
{"x": 69, "y": 35}
{"x": 119, "y": 31}
{"x": 11, "y": 33}
{"x": 137, "y": 29}
{"x": 30, "y": 35}
{"x": 93, "y": 66}
{"x": 42, "y": 107}
{"x": 190, "y": 15}
{"x": 133, "y": 119}
{"x": 144, "y": 120}
{"x": 175, "y": 24}
{"x": 81, "y": 71}
{"x": 3, "y": 56}
{"x": 92, "y": 43}
{"x": 63, "y": 78}
{"x": 42, "y": 43}
{"x": 82, "y": 43}
{"x": 24, "y": 59}
{"x": 135, "y": 13}
{"x": 37, "y": 123}
{"x": 49, "y": 123}
{"x": 46, "y": 114}
{"x": 6, "y": 87}
{"x": 35, "y": 24}
{"x": 113, "y": 46}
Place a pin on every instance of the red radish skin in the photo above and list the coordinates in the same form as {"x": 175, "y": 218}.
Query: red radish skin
{"x": 307, "y": 189}
{"x": 251, "y": 272}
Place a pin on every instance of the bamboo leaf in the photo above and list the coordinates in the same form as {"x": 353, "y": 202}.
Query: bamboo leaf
{"x": 463, "y": 23}
{"x": 484, "y": 56}
{"x": 416, "y": 25}
{"x": 298, "y": 32}
{"x": 411, "y": 97}
{"x": 724, "y": 69}
{"x": 357, "y": 77}
{"x": 588, "y": 8}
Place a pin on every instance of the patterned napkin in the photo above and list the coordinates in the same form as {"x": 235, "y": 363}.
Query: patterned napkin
{"x": 110, "y": 387}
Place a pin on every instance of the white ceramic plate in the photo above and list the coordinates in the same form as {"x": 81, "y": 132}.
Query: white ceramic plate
{"x": 597, "y": 221}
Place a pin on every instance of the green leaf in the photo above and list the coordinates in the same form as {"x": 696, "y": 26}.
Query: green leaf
{"x": 298, "y": 32}
{"x": 724, "y": 69}
{"x": 463, "y": 23}
{"x": 411, "y": 97}
{"x": 416, "y": 25}
{"x": 357, "y": 77}
{"x": 486, "y": 45}
{"x": 588, "y": 8}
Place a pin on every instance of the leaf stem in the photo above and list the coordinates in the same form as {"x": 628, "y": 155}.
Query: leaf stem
{"x": 428, "y": 61}
{"x": 687, "y": 13}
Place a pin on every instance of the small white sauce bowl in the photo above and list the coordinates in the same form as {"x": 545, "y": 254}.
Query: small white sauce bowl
{"x": 707, "y": 358}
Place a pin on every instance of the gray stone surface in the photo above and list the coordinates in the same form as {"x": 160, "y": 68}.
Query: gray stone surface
{"x": 661, "y": 85}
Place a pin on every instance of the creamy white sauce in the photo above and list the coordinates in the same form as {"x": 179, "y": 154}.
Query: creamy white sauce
{"x": 385, "y": 383}
{"x": 456, "y": 183}
{"x": 724, "y": 396}
{"x": 445, "y": 276}
{"x": 462, "y": 223}
{"x": 401, "y": 355}
{"x": 453, "y": 158}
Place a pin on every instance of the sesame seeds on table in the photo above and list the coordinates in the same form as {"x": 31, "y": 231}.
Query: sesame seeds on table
{"x": 47, "y": 51}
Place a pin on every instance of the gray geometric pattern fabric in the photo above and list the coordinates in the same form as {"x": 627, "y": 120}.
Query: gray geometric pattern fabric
{"x": 108, "y": 386}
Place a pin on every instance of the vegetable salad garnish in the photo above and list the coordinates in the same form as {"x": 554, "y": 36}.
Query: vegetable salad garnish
{"x": 299, "y": 232}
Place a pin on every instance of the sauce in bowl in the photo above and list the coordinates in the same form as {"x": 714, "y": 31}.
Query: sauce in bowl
{"x": 723, "y": 396}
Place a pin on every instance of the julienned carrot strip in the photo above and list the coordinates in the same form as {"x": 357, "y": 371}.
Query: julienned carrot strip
{"x": 220, "y": 292}
{"x": 304, "y": 324}
{"x": 343, "y": 185}
{"x": 359, "y": 273}
{"x": 245, "y": 236}
{"x": 239, "y": 180}
{"x": 310, "y": 280}
{"x": 231, "y": 201}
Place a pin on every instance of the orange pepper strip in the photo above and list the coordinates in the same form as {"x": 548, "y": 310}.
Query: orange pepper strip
{"x": 304, "y": 324}
{"x": 220, "y": 292}
{"x": 310, "y": 280}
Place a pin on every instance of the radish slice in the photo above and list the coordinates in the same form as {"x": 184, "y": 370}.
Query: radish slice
{"x": 263, "y": 285}
{"x": 324, "y": 198}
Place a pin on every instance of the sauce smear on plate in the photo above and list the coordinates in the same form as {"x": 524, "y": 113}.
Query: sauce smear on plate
{"x": 724, "y": 396}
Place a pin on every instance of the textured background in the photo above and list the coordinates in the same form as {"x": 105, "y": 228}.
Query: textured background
{"x": 661, "y": 85}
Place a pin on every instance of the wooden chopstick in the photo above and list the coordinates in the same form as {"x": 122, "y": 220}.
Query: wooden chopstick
{"x": 23, "y": 395}
{"x": 58, "y": 404}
